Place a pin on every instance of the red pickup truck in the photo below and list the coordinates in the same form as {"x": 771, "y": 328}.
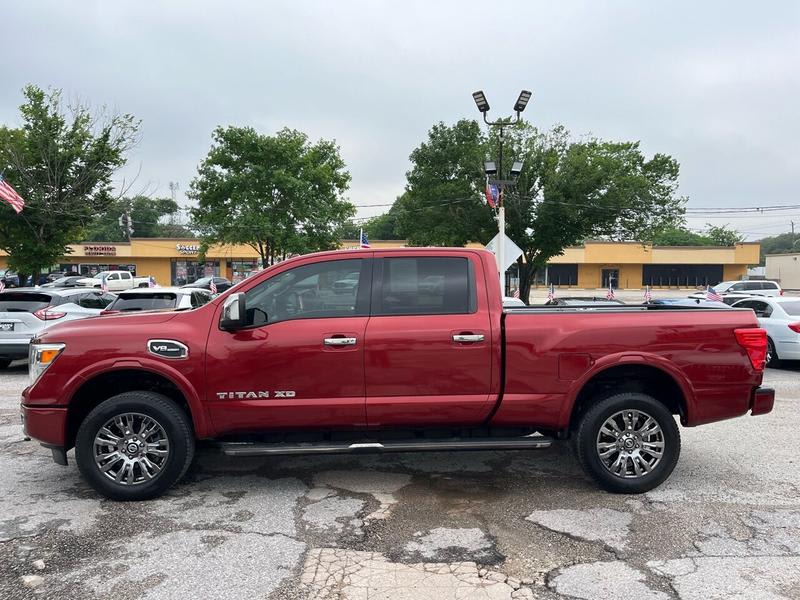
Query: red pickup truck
{"x": 386, "y": 350}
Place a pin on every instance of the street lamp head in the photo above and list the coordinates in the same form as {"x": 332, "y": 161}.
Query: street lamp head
{"x": 480, "y": 101}
{"x": 516, "y": 168}
{"x": 522, "y": 101}
{"x": 490, "y": 167}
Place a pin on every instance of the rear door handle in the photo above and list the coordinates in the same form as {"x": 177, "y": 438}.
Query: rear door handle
{"x": 468, "y": 338}
{"x": 340, "y": 341}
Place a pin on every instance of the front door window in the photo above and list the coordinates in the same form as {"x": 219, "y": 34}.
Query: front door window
{"x": 610, "y": 278}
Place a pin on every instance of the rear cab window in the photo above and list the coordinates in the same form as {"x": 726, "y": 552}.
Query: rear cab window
{"x": 425, "y": 286}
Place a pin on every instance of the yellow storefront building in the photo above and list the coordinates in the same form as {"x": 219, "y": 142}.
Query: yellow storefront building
{"x": 628, "y": 265}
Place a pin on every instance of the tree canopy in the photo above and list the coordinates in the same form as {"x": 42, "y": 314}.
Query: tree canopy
{"x": 713, "y": 235}
{"x": 569, "y": 191}
{"x": 146, "y": 217}
{"x": 783, "y": 243}
{"x": 280, "y": 194}
{"x": 60, "y": 161}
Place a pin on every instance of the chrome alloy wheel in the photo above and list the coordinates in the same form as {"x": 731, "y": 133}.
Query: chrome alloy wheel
{"x": 131, "y": 449}
{"x": 630, "y": 444}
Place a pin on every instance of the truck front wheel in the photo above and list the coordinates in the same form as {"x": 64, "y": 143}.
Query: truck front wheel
{"x": 629, "y": 443}
{"x": 134, "y": 446}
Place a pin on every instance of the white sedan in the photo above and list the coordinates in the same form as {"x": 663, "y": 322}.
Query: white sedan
{"x": 781, "y": 318}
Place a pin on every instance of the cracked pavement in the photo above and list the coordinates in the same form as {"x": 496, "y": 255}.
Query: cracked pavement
{"x": 472, "y": 525}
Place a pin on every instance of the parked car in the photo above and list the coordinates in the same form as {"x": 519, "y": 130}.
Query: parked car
{"x": 511, "y": 302}
{"x": 346, "y": 284}
{"x": 690, "y": 302}
{"x": 115, "y": 280}
{"x": 165, "y": 298}
{"x": 583, "y": 301}
{"x": 753, "y": 288}
{"x": 781, "y": 319}
{"x": 27, "y": 312}
{"x": 70, "y": 281}
{"x": 280, "y": 362}
{"x": 10, "y": 278}
{"x": 205, "y": 283}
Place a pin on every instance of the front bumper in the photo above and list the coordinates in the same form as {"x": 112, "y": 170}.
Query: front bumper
{"x": 762, "y": 401}
{"x": 47, "y": 425}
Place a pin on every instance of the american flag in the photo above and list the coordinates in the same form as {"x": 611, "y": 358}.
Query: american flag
{"x": 492, "y": 194}
{"x": 610, "y": 292}
{"x": 2, "y": 285}
{"x": 364, "y": 241}
{"x": 647, "y": 295}
{"x": 212, "y": 286}
{"x": 551, "y": 294}
{"x": 151, "y": 282}
{"x": 104, "y": 284}
{"x": 516, "y": 293}
{"x": 712, "y": 295}
{"x": 10, "y": 195}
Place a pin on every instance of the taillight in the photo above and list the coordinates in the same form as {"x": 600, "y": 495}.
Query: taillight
{"x": 48, "y": 314}
{"x": 754, "y": 341}
{"x": 795, "y": 327}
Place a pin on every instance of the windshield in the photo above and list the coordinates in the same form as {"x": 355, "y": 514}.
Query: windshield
{"x": 202, "y": 281}
{"x": 100, "y": 275}
{"x": 154, "y": 301}
{"x": 791, "y": 308}
{"x": 722, "y": 287}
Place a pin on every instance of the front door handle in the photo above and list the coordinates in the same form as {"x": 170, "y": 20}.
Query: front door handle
{"x": 468, "y": 338}
{"x": 340, "y": 341}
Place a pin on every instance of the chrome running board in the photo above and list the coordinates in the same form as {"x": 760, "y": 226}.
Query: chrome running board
{"x": 368, "y": 447}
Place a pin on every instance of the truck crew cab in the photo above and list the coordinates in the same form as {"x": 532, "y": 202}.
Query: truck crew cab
{"x": 417, "y": 354}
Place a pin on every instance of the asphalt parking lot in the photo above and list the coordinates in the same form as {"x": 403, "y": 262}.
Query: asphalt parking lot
{"x": 444, "y": 526}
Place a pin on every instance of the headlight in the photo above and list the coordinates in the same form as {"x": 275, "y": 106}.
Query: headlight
{"x": 40, "y": 357}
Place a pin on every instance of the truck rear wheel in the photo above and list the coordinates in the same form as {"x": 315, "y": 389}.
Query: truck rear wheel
{"x": 629, "y": 443}
{"x": 134, "y": 446}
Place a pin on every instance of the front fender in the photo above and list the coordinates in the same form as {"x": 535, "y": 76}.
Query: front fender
{"x": 200, "y": 418}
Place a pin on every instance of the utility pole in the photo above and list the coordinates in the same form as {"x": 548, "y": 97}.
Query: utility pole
{"x": 497, "y": 171}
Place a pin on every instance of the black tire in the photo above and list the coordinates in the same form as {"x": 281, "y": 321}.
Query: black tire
{"x": 175, "y": 423}
{"x": 4, "y": 362}
{"x": 586, "y": 443}
{"x": 773, "y": 360}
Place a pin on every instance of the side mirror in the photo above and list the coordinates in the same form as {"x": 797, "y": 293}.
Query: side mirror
{"x": 234, "y": 313}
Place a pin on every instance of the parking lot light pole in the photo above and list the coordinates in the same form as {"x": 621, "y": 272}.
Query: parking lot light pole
{"x": 483, "y": 108}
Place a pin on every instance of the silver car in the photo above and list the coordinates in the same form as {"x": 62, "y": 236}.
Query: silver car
{"x": 26, "y": 312}
{"x": 158, "y": 298}
{"x": 781, "y": 318}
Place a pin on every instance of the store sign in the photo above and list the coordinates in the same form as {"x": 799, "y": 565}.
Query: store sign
{"x": 99, "y": 250}
{"x": 187, "y": 248}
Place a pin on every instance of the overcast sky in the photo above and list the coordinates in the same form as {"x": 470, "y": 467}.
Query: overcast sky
{"x": 714, "y": 84}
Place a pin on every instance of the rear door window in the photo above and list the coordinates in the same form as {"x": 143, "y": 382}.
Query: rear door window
{"x": 24, "y": 301}
{"x": 426, "y": 286}
{"x": 135, "y": 302}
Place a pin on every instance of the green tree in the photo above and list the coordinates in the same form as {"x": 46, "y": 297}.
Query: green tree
{"x": 145, "y": 213}
{"x": 679, "y": 235}
{"x": 279, "y": 194}
{"x": 783, "y": 243}
{"x": 723, "y": 235}
{"x": 442, "y": 204}
{"x": 568, "y": 191}
{"x": 61, "y": 162}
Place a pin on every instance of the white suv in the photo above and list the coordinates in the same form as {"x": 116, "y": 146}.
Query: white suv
{"x": 752, "y": 288}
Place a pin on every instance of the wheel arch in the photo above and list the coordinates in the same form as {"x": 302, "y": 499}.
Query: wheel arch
{"x": 102, "y": 385}
{"x": 631, "y": 375}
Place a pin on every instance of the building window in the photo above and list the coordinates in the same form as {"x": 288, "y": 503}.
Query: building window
{"x": 188, "y": 271}
{"x": 240, "y": 268}
{"x": 562, "y": 274}
{"x": 92, "y": 269}
{"x": 681, "y": 275}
